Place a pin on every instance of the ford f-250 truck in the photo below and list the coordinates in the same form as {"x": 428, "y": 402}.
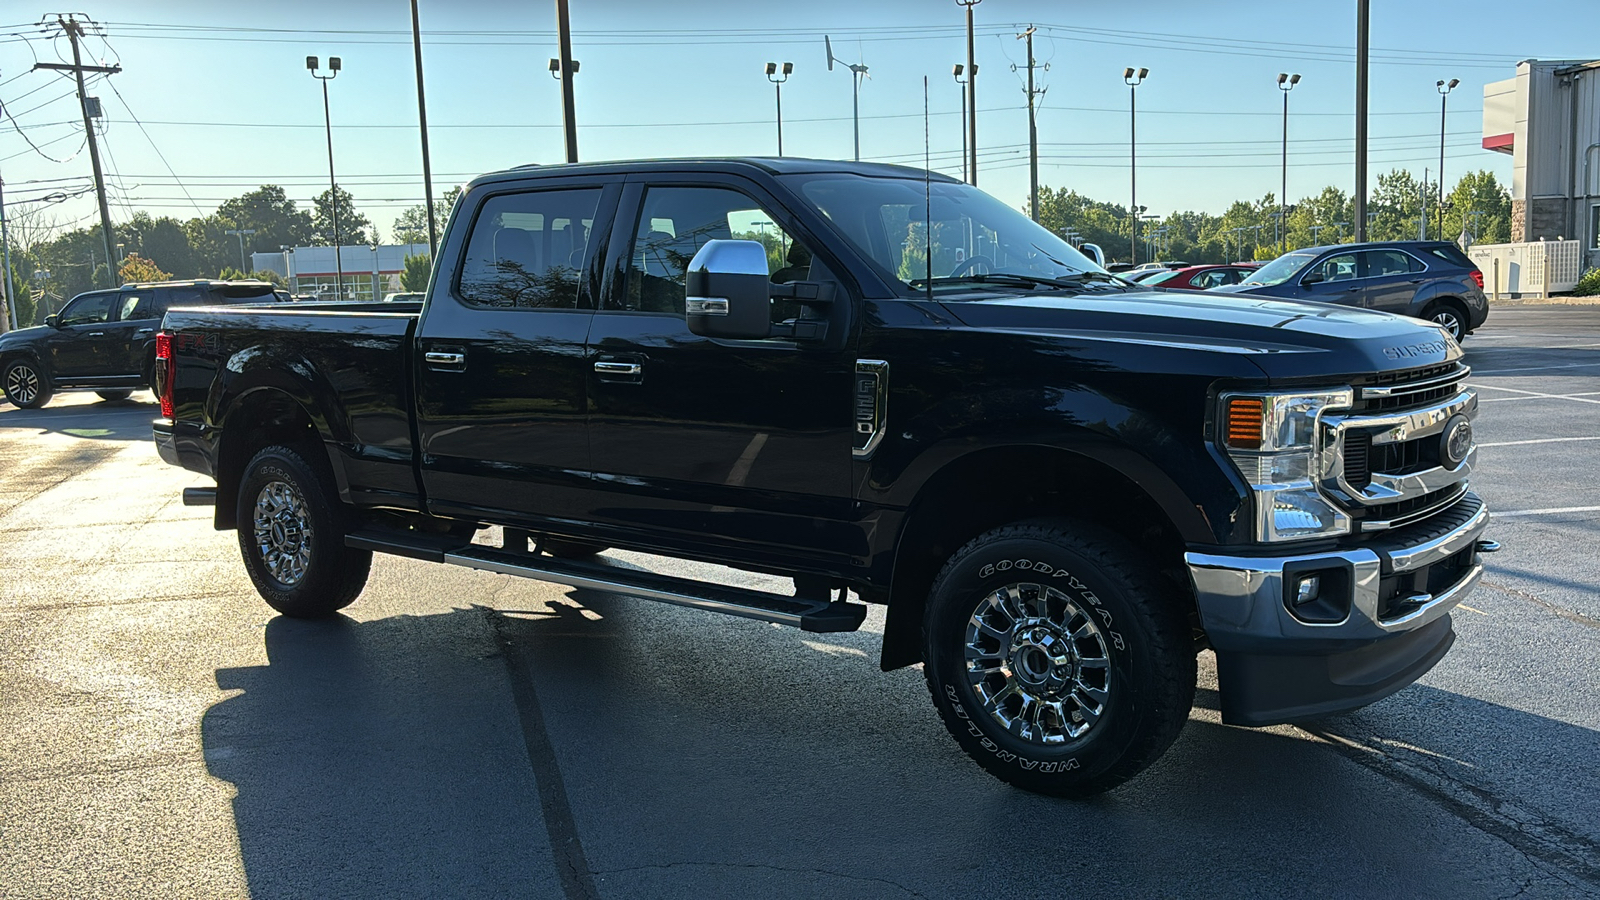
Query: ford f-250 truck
{"x": 881, "y": 383}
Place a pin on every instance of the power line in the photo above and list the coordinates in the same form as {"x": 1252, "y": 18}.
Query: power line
{"x": 159, "y": 154}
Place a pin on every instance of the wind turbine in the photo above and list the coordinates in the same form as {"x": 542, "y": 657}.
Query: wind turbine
{"x": 858, "y": 71}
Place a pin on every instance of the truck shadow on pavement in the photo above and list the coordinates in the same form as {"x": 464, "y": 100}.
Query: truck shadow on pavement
{"x": 101, "y": 420}
{"x": 599, "y": 745}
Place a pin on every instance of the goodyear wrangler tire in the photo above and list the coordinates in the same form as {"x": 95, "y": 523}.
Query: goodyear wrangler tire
{"x": 291, "y": 534}
{"x": 1057, "y": 658}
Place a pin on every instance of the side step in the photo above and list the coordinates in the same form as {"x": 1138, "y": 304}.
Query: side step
{"x": 808, "y": 615}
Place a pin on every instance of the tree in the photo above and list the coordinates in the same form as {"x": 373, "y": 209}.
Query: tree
{"x": 136, "y": 268}
{"x": 1481, "y": 192}
{"x": 274, "y": 218}
{"x": 267, "y": 275}
{"x": 411, "y": 226}
{"x": 419, "y": 266}
{"x": 352, "y": 225}
{"x": 1396, "y": 207}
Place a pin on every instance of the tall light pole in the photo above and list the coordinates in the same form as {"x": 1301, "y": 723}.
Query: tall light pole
{"x": 1286, "y": 83}
{"x": 569, "y": 115}
{"x": 240, "y": 233}
{"x": 972, "y": 97}
{"x": 1444, "y": 89}
{"x": 956, "y": 72}
{"x": 1133, "y": 79}
{"x": 334, "y": 66}
{"x": 1363, "y": 20}
{"x": 777, "y": 85}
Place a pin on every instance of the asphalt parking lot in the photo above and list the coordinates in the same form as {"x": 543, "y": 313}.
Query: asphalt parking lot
{"x": 163, "y": 734}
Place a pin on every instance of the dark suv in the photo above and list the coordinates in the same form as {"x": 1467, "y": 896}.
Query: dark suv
{"x": 105, "y": 340}
{"x": 1430, "y": 280}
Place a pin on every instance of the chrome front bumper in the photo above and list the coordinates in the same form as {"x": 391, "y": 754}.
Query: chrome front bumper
{"x": 1276, "y": 666}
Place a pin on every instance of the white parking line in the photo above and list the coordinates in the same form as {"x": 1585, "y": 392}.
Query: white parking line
{"x": 1516, "y": 513}
{"x": 1527, "y": 395}
{"x": 1537, "y": 441}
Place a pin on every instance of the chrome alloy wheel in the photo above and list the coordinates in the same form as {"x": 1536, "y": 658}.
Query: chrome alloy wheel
{"x": 1449, "y": 321}
{"x": 22, "y": 384}
{"x": 1038, "y": 663}
{"x": 283, "y": 532}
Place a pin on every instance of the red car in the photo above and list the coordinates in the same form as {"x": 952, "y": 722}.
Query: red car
{"x": 1199, "y": 278}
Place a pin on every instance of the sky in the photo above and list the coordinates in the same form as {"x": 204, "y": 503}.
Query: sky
{"x": 214, "y": 98}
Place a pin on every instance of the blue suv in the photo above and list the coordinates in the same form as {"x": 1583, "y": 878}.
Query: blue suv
{"x": 1430, "y": 280}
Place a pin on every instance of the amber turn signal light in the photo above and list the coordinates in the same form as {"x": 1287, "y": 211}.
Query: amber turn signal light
{"x": 1244, "y": 423}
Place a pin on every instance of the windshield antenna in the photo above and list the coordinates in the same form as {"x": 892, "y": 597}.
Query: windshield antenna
{"x": 927, "y": 191}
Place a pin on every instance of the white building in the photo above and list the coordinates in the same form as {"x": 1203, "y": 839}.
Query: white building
{"x": 369, "y": 272}
{"x": 1548, "y": 120}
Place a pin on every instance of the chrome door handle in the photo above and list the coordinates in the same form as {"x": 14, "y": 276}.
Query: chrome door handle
{"x": 95, "y": 334}
{"x": 618, "y": 368}
{"x": 437, "y": 358}
{"x": 144, "y": 331}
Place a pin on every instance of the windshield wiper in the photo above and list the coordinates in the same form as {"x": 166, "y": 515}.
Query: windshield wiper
{"x": 1014, "y": 279}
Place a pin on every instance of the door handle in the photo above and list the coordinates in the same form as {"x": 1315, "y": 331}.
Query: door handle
{"x": 606, "y": 367}
{"x": 445, "y": 360}
{"x": 95, "y": 334}
{"x": 144, "y": 331}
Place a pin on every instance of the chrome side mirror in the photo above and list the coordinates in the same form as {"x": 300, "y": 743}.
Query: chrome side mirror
{"x": 728, "y": 291}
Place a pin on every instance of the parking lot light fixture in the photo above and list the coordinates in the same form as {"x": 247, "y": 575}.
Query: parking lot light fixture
{"x": 334, "y": 65}
{"x": 1444, "y": 89}
{"x": 1286, "y": 83}
{"x": 1133, "y": 79}
{"x": 778, "y": 76}
{"x": 956, "y": 73}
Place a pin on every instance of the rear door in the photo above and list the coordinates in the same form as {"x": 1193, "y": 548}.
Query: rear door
{"x": 137, "y": 320}
{"x": 704, "y": 442}
{"x": 1391, "y": 279}
{"x": 499, "y": 366}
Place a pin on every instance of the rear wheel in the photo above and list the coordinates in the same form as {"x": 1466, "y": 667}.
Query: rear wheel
{"x": 26, "y": 384}
{"x": 114, "y": 396}
{"x": 1056, "y": 658}
{"x": 291, "y": 533}
{"x": 1448, "y": 316}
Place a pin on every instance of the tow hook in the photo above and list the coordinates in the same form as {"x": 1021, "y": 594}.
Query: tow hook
{"x": 1487, "y": 546}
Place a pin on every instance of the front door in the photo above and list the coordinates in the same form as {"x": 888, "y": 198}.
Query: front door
{"x": 500, "y": 355}
{"x": 82, "y": 344}
{"x": 700, "y": 442}
{"x": 1340, "y": 282}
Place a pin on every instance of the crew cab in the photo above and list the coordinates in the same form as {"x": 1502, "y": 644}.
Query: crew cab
{"x": 892, "y": 389}
{"x": 104, "y": 341}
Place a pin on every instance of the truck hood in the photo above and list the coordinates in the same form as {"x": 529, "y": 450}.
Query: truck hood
{"x": 1285, "y": 338}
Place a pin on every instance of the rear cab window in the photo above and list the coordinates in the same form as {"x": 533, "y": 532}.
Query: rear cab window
{"x": 527, "y": 250}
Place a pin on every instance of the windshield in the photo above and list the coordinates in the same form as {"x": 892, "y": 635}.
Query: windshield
{"x": 886, "y": 219}
{"x": 1157, "y": 279}
{"x": 1279, "y": 270}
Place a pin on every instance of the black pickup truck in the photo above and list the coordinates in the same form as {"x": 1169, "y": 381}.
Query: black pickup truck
{"x": 875, "y": 382}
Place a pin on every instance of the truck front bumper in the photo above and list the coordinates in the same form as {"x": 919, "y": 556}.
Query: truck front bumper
{"x": 1378, "y": 618}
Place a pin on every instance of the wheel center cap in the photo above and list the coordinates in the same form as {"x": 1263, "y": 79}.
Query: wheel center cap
{"x": 1041, "y": 659}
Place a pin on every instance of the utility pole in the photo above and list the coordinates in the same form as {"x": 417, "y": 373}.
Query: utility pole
{"x": 1363, "y": 18}
{"x": 959, "y": 68}
{"x": 1422, "y": 198}
{"x": 569, "y": 118}
{"x": 1033, "y": 129}
{"x": 972, "y": 96}
{"x": 74, "y": 31}
{"x": 422, "y": 115}
{"x": 5, "y": 249}
{"x": 240, "y": 233}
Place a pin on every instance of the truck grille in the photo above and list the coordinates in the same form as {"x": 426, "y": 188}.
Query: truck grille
{"x": 1382, "y": 461}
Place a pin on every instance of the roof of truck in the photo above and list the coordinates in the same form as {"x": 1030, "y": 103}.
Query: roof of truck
{"x": 773, "y": 165}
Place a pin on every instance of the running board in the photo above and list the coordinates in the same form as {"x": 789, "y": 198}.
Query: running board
{"x": 808, "y": 615}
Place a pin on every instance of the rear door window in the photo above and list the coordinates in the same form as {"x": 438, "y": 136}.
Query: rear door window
{"x": 234, "y": 293}
{"x": 137, "y": 305}
{"x": 526, "y": 250}
{"x": 1387, "y": 263}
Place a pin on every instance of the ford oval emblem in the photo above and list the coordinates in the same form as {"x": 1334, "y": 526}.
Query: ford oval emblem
{"x": 1456, "y": 441}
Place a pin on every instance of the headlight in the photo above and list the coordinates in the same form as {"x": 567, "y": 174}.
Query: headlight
{"x": 1272, "y": 439}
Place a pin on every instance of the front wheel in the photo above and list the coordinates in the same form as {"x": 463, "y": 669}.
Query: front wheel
{"x": 26, "y": 384}
{"x": 1056, "y": 658}
{"x": 291, "y": 533}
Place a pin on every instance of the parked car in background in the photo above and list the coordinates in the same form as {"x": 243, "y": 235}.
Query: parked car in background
{"x": 104, "y": 341}
{"x": 1430, "y": 280}
{"x": 1198, "y": 278}
{"x": 405, "y": 297}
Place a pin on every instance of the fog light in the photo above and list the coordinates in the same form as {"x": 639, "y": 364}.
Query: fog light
{"x": 1307, "y": 590}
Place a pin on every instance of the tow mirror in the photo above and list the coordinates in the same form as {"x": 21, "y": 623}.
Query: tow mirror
{"x": 52, "y": 321}
{"x": 728, "y": 294}
{"x": 1313, "y": 278}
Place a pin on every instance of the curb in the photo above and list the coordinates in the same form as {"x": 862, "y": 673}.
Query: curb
{"x": 1546, "y": 301}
